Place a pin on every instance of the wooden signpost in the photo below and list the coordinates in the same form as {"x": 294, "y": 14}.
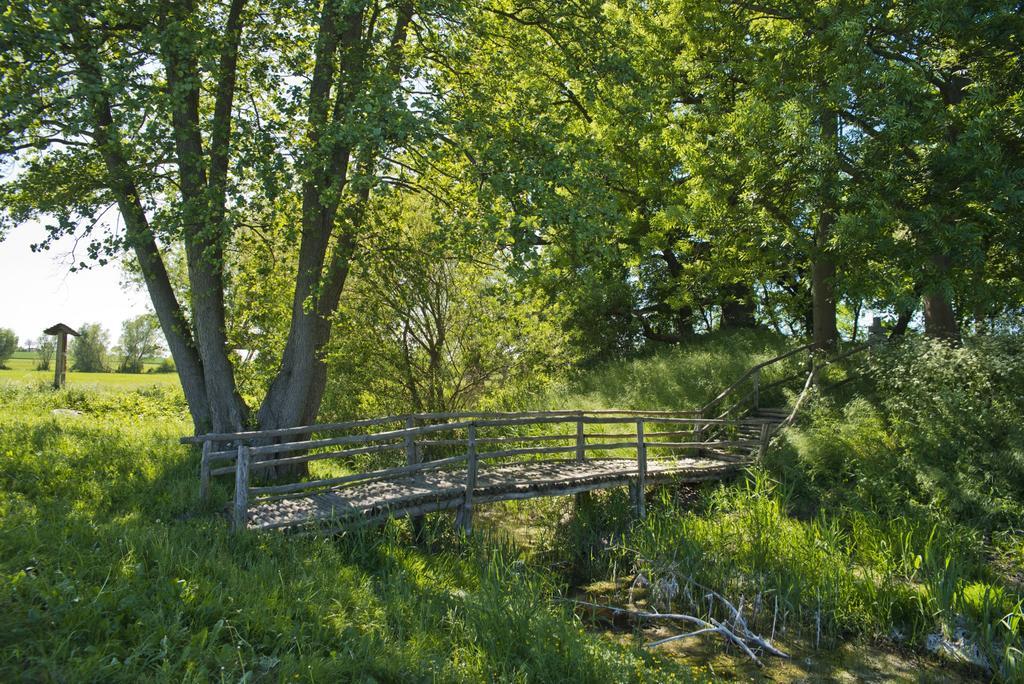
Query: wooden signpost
{"x": 60, "y": 371}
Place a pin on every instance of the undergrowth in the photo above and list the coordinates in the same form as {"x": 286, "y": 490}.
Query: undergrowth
{"x": 108, "y": 574}
{"x": 890, "y": 514}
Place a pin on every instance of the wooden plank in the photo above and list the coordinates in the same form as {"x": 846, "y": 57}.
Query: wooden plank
{"x": 373, "y": 449}
{"x": 525, "y": 451}
{"x": 272, "y": 462}
{"x": 509, "y": 439}
{"x": 581, "y": 440}
{"x": 513, "y": 481}
{"x": 428, "y": 429}
{"x": 410, "y": 442}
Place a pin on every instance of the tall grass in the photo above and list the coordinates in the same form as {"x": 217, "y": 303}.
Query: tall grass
{"x": 889, "y": 514}
{"x": 108, "y": 574}
{"x": 674, "y": 378}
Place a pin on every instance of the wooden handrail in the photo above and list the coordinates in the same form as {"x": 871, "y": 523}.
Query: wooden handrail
{"x": 401, "y": 418}
{"x": 752, "y": 370}
{"x": 248, "y": 458}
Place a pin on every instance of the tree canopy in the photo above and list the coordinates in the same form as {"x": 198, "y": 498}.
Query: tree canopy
{"x": 640, "y": 171}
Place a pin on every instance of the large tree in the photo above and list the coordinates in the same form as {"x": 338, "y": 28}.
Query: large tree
{"x": 188, "y": 117}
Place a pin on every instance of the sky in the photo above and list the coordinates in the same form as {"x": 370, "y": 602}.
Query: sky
{"x": 37, "y": 291}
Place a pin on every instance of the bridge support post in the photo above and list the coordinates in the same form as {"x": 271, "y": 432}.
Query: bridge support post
{"x": 410, "y": 442}
{"x": 581, "y": 440}
{"x": 756, "y": 379}
{"x": 464, "y": 518}
{"x": 698, "y": 436}
{"x": 412, "y": 457}
{"x": 762, "y": 446}
{"x": 582, "y": 498}
{"x": 641, "y": 470}
{"x": 240, "y": 512}
{"x": 204, "y": 471}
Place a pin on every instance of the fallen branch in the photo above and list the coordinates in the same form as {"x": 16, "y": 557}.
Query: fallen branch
{"x": 737, "y": 633}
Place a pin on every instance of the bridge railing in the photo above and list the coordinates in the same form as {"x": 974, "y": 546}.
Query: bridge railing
{"x": 466, "y": 443}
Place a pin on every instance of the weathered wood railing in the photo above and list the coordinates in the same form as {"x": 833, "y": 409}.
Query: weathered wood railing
{"x": 744, "y": 396}
{"x": 457, "y": 445}
{"x": 465, "y": 442}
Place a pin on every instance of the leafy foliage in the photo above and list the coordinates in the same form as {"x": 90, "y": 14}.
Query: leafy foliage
{"x": 8, "y": 345}
{"x": 89, "y": 350}
{"x": 432, "y": 324}
{"x": 46, "y": 347}
{"x": 140, "y": 339}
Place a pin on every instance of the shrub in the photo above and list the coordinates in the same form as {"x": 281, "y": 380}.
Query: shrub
{"x": 8, "y": 345}
{"x": 89, "y": 350}
{"x": 46, "y": 347}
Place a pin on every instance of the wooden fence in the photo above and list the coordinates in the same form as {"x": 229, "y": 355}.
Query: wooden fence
{"x": 476, "y": 439}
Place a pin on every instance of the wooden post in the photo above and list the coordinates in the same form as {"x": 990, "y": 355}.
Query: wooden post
{"x": 240, "y": 516}
{"x": 412, "y": 457}
{"x": 464, "y": 520}
{"x": 762, "y": 447}
{"x": 757, "y": 388}
{"x": 60, "y": 368}
{"x": 641, "y": 469}
{"x": 204, "y": 471}
{"x": 698, "y": 436}
{"x": 410, "y": 442}
{"x": 581, "y": 440}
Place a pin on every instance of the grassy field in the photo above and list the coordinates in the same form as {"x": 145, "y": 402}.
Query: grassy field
{"x": 846, "y": 546}
{"x": 21, "y": 369}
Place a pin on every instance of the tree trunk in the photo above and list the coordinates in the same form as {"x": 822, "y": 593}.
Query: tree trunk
{"x": 902, "y": 322}
{"x": 139, "y": 235}
{"x": 202, "y": 219}
{"x": 939, "y": 317}
{"x": 738, "y": 307}
{"x": 823, "y": 266}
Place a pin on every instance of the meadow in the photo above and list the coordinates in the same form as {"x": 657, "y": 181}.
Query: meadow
{"x": 856, "y": 545}
{"x": 22, "y": 368}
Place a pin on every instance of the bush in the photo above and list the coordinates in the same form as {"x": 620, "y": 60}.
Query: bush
{"x": 166, "y": 366}
{"x": 46, "y": 347}
{"x": 8, "y": 345}
{"x": 89, "y": 350}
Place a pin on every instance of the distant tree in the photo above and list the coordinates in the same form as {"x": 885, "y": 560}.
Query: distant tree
{"x": 45, "y": 349}
{"x": 89, "y": 350}
{"x": 140, "y": 338}
{"x": 8, "y": 344}
{"x": 166, "y": 365}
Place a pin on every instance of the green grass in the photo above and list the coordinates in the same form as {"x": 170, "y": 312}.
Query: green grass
{"x": 680, "y": 378}
{"x": 859, "y": 537}
{"x": 21, "y": 369}
{"x": 108, "y": 575}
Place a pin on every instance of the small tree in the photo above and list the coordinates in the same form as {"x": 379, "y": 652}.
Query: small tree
{"x": 8, "y": 345}
{"x": 89, "y": 350}
{"x": 140, "y": 338}
{"x": 46, "y": 346}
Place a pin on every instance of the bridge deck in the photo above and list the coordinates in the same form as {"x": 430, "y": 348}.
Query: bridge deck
{"x": 437, "y": 490}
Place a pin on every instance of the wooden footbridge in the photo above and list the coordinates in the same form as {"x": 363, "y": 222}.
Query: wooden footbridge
{"x": 416, "y": 464}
